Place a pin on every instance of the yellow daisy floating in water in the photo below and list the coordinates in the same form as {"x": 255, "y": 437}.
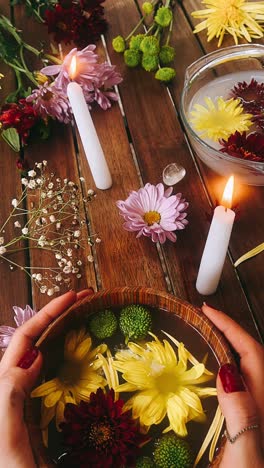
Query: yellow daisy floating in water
{"x": 165, "y": 384}
{"x": 77, "y": 377}
{"x": 219, "y": 119}
{"x": 239, "y": 18}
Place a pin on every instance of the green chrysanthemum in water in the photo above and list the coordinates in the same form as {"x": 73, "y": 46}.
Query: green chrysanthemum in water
{"x": 150, "y": 45}
{"x": 119, "y": 44}
{"x": 135, "y": 41}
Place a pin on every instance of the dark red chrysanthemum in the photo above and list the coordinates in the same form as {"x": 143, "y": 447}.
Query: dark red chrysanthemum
{"x": 251, "y": 96}
{"x": 20, "y": 116}
{"x": 98, "y": 434}
{"x": 240, "y": 145}
{"x": 81, "y": 22}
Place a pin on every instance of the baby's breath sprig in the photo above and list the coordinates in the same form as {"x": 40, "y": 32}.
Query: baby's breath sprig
{"x": 53, "y": 223}
{"x": 151, "y": 50}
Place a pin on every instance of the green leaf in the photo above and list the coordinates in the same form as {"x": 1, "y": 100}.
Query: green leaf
{"x": 42, "y": 129}
{"x": 11, "y": 137}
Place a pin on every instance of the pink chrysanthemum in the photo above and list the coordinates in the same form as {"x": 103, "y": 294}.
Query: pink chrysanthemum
{"x": 154, "y": 213}
{"x": 21, "y": 316}
{"x": 96, "y": 79}
{"x": 49, "y": 101}
{"x": 85, "y": 72}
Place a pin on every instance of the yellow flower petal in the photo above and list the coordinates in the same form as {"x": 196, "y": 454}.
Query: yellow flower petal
{"x": 52, "y": 398}
{"x": 45, "y": 388}
{"x": 257, "y": 250}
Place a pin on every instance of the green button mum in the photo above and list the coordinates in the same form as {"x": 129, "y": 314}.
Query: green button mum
{"x": 150, "y": 62}
{"x": 150, "y": 45}
{"x": 135, "y": 41}
{"x": 163, "y": 17}
{"x": 147, "y": 7}
{"x": 132, "y": 58}
{"x": 166, "y": 55}
{"x": 165, "y": 74}
{"x": 119, "y": 44}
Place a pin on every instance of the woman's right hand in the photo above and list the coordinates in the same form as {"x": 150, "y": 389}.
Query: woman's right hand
{"x": 240, "y": 395}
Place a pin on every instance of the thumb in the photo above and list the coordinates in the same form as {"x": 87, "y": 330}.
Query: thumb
{"x": 239, "y": 410}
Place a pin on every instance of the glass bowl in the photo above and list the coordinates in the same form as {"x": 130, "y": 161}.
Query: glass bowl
{"x": 212, "y": 76}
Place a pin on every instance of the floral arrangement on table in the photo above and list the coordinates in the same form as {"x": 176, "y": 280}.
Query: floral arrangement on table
{"x": 235, "y": 123}
{"x": 240, "y": 18}
{"x": 41, "y": 95}
{"x": 78, "y": 21}
{"x": 151, "y": 50}
{"x": 162, "y": 384}
{"x": 52, "y": 222}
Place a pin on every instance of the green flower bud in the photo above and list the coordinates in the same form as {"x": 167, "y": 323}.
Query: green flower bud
{"x": 119, "y": 44}
{"x": 135, "y": 41}
{"x": 147, "y": 7}
{"x": 150, "y": 62}
{"x": 150, "y": 45}
{"x": 163, "y": 16}
{"x": 132, "y": 57}
{"x": 166, "y": 55}
{"x": 144, "y": 462}
{"x": 165, "y": 74}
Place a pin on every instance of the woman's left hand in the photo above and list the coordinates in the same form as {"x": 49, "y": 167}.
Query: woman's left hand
{"x": 19, "y": 369}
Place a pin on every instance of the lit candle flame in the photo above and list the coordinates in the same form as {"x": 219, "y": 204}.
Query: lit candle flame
{"x": 73, "y": 67}
{"x": 228, "y": 193}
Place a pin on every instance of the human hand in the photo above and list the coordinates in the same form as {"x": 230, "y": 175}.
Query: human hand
{"x": 19, "y": 369}
{"x": 241, "y": 395}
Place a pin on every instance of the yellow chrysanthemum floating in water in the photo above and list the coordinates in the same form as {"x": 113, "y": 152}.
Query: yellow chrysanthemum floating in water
{"x": 220, "y": 119}
{"x": 239, "y": 18}
{"x": 164, "y": 384}
{"x": 77, "y": 377}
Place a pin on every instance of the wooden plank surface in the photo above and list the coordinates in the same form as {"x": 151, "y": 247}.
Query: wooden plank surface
{"x": 10, "y": 188}
{"x": 158, "y": 140}
{"x": 59, "y": 151}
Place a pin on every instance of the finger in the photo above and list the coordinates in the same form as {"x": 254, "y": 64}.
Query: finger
{"x": 241, "y": 341}
{"x": 25, "y": 336}
{"x": 239, "y": 409}
{"x": 84, "y": 293}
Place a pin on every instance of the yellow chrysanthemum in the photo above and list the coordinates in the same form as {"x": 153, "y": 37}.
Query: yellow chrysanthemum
{"x": 236, "y": 17}
{"x": 164, "y": 384}
{"x": 220, "y": 119}
{"x": 76, "y": 378}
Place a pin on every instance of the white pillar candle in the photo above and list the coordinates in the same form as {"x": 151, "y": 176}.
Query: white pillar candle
{"x": 215, "y": 249}
{"x": 91, "y": 144}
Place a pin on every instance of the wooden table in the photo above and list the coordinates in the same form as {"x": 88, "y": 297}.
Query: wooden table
{"x": 139, "y": 140}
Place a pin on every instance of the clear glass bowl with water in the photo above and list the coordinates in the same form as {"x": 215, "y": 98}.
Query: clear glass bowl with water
{"x": 214, "y": 75}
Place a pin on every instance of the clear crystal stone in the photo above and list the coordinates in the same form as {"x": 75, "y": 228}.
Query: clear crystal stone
{"x": 173, "y": 173}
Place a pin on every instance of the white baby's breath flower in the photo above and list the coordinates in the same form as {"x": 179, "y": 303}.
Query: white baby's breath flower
{"x": 52, "y": 218}
{"x": 77, "y": 233}
{"x": 39, "y": 165}
{"x": 14, "y": 202}
{"x": 82, "y": 179}
{"x": 2, "y": 250}
{"x": 67, "y": 270}
{"x": 90, "y": 258}
{"x": 2, "y": 240}
{"x": 32, "y": 173}
{"x": 90, "y": 192}
{"x": 24, "y": 231}
{"x": 58, "y": 256}
{"x": 98, "y": 240}
{"x": 44, "y": 163}
{"x": 58, "y": 226}
{"x": 32, "y": 184}
{"x": 17, "y": 224}
{"x": 50, "y": 292}
{"x": 39, "y": 277}
{"x": 43, "y": 289}
{"x": 69, "y": 252}
{"x": 24, "y": 181}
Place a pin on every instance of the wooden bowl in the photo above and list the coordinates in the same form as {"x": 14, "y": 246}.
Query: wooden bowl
{"x": 77, "y": 315}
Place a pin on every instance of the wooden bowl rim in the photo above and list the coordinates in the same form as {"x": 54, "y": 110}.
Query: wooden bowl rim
{"x": 196, "y": 311}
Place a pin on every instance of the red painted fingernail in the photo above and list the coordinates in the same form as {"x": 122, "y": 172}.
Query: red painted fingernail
{"x": 29, "y": 357}
{"x": 209, "y": 305}
{"x": 231, "y": 379}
